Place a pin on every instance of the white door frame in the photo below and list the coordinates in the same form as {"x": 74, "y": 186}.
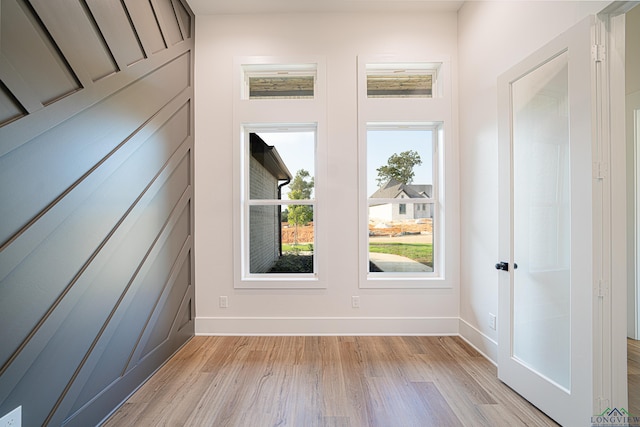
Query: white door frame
{"x": 611, "y": 344}
{"x": 633, "y": 200}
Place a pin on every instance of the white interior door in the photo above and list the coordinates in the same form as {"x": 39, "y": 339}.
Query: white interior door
{"x": 546, "y": 289}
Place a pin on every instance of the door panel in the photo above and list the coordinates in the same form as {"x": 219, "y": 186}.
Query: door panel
{"x": 541, "y": 219}
{"x": 546, "y": 225}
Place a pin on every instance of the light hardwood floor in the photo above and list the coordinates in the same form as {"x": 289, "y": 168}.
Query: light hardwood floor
{"x": 327, "y": 381}
{"x": 633, "y": 375}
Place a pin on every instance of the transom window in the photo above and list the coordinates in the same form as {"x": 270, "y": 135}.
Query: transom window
{"x": 276, "y": 81}
{"x": 397, "y": 80}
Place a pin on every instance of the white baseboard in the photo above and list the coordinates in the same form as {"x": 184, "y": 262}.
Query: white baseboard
{"x": 485, "y": 345}
{"x": 327, "y": 325}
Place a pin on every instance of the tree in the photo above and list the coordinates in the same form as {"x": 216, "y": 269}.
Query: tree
{"x": 399, "y": 167}
{"x": 301, "y": 189}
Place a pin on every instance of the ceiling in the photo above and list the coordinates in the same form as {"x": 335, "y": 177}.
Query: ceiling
{"x": 209, "y": 7}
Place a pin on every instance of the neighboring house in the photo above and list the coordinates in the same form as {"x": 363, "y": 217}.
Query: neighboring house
{"x": 401, "y": 211}
{"x": 268, "y": 174}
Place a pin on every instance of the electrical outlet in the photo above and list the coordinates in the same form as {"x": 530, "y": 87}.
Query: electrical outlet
{"x": 355, "y": 302}
{"x": 12, "y": 419}
{"x": 224, "y": 303}
{"x": 492, "y": 321}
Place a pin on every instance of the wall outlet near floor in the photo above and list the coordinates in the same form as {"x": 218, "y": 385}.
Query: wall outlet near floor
{"x": 12, "y": 419}
{"x": 355, "y": 302}
{"x": 492, "y": 321}
{"x": 224, "y": 302}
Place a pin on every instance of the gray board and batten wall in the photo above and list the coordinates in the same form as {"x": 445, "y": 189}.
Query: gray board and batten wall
{"x": 96, "y": 201}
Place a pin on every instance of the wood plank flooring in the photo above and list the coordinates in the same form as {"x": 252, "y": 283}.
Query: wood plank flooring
{"x": 633, "y": 375}
{"x": 327, "y": 381}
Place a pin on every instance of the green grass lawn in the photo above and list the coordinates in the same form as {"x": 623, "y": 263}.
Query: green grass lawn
{"x": 423, "y": 253}
{"x": 296, "y": 248}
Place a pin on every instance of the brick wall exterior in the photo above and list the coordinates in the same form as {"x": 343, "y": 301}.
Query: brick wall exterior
{"x": 263, "y": 220}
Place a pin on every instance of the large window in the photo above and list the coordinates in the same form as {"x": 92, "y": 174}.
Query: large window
{"x": 407, "y": 232}
{"x": 401, "y": 175}
{"x": 279, "y": 170}
{"x": 280, "y": 133}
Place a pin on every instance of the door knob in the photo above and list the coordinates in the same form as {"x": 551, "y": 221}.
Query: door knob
{"x": 504, "y": 266}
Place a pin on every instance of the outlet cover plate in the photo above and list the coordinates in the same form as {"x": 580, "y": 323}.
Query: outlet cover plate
{"x": 12, "y": 419}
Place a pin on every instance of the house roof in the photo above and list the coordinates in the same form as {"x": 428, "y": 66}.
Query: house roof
{"x": 393, "y": 189}
{"x": 269, "y": 157}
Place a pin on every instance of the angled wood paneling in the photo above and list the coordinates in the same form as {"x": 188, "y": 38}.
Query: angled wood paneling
{"x": 184, "y": 18}
{"x": 10, "y": 108}
{"x": 78, "y": 37}
{"x": 96, "y": 234}
{"x": 168, "y": 20}
{"x": 116, "y": 28}
{"x": 54, "y": 48}
{"x": 32, "y": 54}
{"x": 80, "y": 144}
{"x": 135, "y": 312}
{"x": 146, "y": 25}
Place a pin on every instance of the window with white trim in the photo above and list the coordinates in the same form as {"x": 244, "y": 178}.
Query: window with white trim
{"x": 279, "y": 200}
{"x": 278, "y": 81}
{"x": 280, "y": 128}
{"x": 402, "y": 80}
{"x": 401, "y": 178}
{"x": 403, "y": 111}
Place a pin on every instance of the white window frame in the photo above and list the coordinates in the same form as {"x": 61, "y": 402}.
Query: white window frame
{"x": 407, "y": 68}
{"x": 427, "y": 113}
{"x": 248, "y": 202}
{"x": 276, "y": 70}
{"x": 278, "y": 114}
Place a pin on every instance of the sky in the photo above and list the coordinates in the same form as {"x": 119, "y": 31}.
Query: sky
{"x": 382, "y": 144}
{"x": 297, "y": 151}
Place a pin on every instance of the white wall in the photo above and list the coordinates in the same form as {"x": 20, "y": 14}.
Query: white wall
{"x": 493, "y": 37}
{"x": 339, "y": 38}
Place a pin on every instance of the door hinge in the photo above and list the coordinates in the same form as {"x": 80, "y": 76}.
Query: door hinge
{"x": 602, "y": 288}
{"x": 598, "y": 52}
{"x": 600, "y": 170}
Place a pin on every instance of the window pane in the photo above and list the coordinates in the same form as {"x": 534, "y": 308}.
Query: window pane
{"x": 399, "y": 85}
{"x": 400, "y": 245}
{"x": 542, "y": 220}
{"x": 281, "y": 239}
{"x": 281, "y": 87}
{"x": 282, "y": 165}
{"x": 400, "y": 163}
